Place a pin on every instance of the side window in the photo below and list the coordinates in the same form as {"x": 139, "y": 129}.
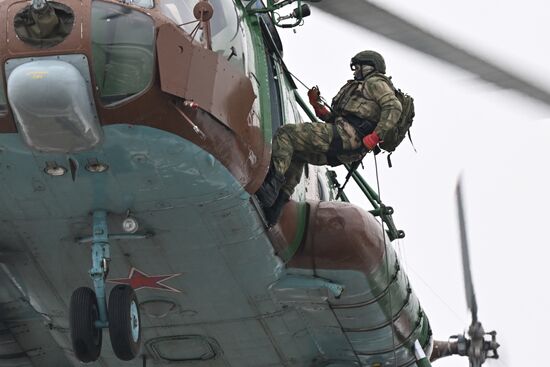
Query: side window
{"x": 275, "y": 94}
{"x": 321, "y": 186}
{"x": 123, "y": 42}
{"x": 3, "y": 106}
{"x": 296, "y": 112}
{"x": 290, "y": 113}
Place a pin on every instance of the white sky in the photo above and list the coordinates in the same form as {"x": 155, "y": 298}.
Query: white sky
{"x": 498, "y": 139}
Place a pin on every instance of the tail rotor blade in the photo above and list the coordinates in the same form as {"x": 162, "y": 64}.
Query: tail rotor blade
{"x": 478, "y": 345}
{"x": 468, "y": 284}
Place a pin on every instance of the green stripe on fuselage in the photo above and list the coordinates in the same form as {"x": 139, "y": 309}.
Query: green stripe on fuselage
{"x": 261, "y": 75}
{"x": 301, "y": 226}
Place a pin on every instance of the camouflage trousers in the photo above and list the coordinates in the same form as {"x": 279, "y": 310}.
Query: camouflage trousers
{"x": 294, "y": 145}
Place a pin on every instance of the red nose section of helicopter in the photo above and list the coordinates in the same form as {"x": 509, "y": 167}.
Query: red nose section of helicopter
{"x": 52, "y": 103}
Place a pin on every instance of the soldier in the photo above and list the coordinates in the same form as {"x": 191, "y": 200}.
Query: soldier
{"x": 363, "y": 112}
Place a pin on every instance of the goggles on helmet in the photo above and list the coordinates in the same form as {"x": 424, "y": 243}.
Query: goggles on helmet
{"x": 355, "y": 65}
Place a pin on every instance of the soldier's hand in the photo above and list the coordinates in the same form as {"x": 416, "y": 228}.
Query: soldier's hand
{"x": 314, "y": 96}
{"x": 370, "y": 141}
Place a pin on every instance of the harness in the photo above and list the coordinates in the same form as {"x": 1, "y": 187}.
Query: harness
{"x": 362, "y": 126}
{"x": 336, "y": 146}
{"x": 347, "y": 104}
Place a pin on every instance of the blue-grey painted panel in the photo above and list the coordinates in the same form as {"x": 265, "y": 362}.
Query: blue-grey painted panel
{"x": 195, "y": 209}
{"x": 207, "y": 240}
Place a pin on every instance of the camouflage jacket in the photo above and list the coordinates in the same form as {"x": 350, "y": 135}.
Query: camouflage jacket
{"x": 372, "y": 99}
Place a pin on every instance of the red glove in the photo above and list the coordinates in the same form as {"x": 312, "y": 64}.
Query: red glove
{"x": 321, "y": 110}
{"x": 314, "y": 96}
{"x": 371, "y": 140}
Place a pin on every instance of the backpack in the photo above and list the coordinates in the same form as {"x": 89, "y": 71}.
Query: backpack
{"x": 393, "y": 138}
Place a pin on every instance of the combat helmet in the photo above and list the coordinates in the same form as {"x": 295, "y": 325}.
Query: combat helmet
{"x": 372, "y": 58}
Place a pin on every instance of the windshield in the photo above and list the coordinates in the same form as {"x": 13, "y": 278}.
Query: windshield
{"x": 148, "y": 4}
{"x": 224, "y": 24}
{"x": 123, "y": 55}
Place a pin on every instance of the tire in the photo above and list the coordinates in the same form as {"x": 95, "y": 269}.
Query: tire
{"x": 85, "y": 336}
{"x": 124, "y": 322}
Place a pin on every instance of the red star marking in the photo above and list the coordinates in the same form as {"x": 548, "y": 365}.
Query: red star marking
{"x": 138, "y": 280}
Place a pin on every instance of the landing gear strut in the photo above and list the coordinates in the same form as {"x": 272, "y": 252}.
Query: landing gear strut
{"x": 88, "y": 312}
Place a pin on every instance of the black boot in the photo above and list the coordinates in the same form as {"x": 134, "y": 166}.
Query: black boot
{"x": 273, "y": 213}
{"x": 267, "y": 193}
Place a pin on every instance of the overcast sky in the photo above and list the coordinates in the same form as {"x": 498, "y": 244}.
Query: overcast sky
{"x": 498, "y": 139}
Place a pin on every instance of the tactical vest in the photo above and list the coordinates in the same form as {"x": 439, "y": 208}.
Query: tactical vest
{"x": 350, "y": 103}
{"x": 364, "y": 113}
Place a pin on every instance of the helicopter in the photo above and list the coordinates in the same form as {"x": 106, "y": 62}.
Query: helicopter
{"x": 153, "y": 166}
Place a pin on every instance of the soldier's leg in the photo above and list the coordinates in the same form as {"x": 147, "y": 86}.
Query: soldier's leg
{"x": 350, "y": 139}
{"x": 290, "y": 140}
{"x": 293, "y": 176}
{"x": 299, "y": 138}
{"x": 282, "y": 148}
{"x": 352, "y": 146}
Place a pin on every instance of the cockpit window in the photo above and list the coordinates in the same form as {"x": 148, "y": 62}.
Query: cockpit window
{"x": 224, "y": 24}
{"x": 123, "y": 42}
{"x": 181, "y": 12}
{"x": 3, "y": 106}
{"x": 148, "y": 4}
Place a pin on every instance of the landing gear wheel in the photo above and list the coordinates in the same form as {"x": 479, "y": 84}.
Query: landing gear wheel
{"x": 124, "y": 322}
{"x": 85, "y": 336}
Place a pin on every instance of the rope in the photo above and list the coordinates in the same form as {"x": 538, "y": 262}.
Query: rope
{"x": 295, "y": 77}
{"x": 387, "y": 267}
{"x": 305, "y": 86}
{"x": 440, "y": 298}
